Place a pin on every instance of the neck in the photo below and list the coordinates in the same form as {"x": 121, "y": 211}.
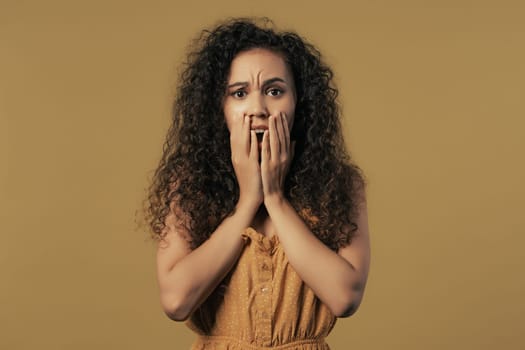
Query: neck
{"x": 261, "y": 215}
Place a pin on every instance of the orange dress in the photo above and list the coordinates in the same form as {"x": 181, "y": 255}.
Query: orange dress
{"x": 262, "y": 304}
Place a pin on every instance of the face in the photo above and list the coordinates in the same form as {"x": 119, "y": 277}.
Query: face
{"x": 260, "y": 84}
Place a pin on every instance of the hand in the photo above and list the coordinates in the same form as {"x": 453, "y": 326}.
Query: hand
{"x": 245, "y": 160}
{"x": 276, "y": 156}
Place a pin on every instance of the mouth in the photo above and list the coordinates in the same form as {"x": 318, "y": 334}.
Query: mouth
{"x": 259, "y": 135}
{"x": 259, "y": 131}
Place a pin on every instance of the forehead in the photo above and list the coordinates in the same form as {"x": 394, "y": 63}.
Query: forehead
{"x": 258, "y": 63}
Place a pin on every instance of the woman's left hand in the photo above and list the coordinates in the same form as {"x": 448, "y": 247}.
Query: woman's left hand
{"x": 276, "y": 156}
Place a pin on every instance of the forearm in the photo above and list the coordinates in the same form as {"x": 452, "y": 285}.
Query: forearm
{"x": 332, "y": 278}
{"x": 192, "y": 279}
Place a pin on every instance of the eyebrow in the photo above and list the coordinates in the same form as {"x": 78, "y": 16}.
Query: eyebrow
{"x": 266, "y": 82}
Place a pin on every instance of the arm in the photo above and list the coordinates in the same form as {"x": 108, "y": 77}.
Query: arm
{"x": 186, "y": 278}
{"x": 338, "y": 279}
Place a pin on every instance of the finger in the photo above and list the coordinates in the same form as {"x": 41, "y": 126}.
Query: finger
{"x": 265, "y": 151}
{"x": 282, "y": 136}
{"x": 274, "y": 138}
{"x": 286, "y": 132}
{"x": 254, "y": 148}
{"x": 245, "y": 138}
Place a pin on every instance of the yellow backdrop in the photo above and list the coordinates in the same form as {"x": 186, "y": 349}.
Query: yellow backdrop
{"x": 433, "y": 97}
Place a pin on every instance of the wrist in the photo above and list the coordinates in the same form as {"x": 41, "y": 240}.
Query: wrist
{"x": 274, "y": 200}
{"x": 247, "y": 205}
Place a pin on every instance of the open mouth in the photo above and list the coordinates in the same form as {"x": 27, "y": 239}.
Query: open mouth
{"x": 259, "y": 133}
{"x": 259, "y": 137}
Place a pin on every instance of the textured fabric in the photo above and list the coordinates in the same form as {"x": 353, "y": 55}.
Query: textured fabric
{"x": 262, "y": 304}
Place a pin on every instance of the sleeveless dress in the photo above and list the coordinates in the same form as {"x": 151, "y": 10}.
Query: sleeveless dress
{"x": 262, "y": 304}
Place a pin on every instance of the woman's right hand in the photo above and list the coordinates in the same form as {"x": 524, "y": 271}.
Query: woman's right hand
{"x": 245, "y": 159}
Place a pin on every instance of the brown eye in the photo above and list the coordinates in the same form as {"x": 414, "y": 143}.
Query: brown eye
{"x": 239, "y": 93}
{"x": 274, "y": 92}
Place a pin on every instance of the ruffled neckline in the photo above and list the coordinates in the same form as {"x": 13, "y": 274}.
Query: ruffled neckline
{"x": 268, "y": 243}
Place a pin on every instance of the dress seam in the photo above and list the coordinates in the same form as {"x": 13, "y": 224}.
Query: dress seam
{"x": 245, "y": 345}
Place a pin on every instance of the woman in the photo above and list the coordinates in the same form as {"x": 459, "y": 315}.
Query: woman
{"x": 259, "y": 213}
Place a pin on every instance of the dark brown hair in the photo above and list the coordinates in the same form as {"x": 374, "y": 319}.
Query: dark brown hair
{"x": 195, "y": 170}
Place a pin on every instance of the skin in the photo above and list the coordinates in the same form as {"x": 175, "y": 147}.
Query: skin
{"x": 260, "y": 84}
{"x": 186, "y": 277}
{"x": 260, "y": 92}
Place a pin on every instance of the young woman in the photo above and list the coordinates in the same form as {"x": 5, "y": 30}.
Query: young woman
{"x": 259, "y": 212}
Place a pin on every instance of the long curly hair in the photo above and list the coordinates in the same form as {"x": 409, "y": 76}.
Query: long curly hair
{"x": 195, "y": 179}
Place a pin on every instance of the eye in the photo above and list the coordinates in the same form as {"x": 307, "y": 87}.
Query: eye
{"x": 238, "y": 93}
{"x": 274, "y": 92}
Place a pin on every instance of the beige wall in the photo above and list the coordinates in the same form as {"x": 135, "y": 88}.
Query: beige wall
{"x": 433, "y": 97}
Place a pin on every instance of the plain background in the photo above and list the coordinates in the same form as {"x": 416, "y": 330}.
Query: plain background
{"x": 433, "y": 96}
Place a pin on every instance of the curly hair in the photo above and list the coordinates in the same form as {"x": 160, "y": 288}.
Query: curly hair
{"x": 323, "y": 184}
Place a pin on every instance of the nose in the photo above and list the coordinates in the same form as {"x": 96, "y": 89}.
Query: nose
{"x": 257, "y": 106}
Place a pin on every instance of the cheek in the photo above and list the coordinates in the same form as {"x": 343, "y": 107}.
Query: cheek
{"x": 290, "y": 112}
{"x": 290, "y": 120}
{"x": 229, "y": 116}
{"x": 290, "y": 116}
{"x": 228, "y": 121}
{"x": 288, "y": 109}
